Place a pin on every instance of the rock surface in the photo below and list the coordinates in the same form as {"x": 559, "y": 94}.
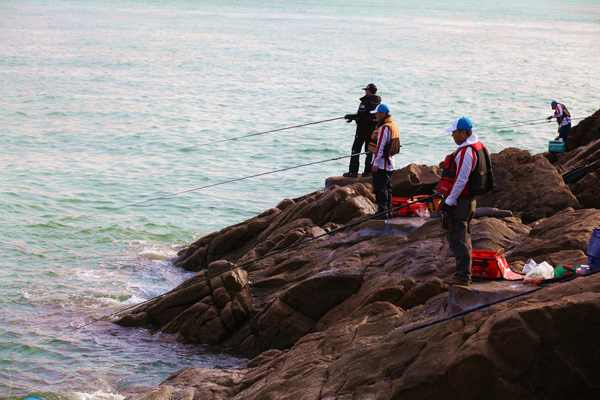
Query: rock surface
{"x": 526, "y": 183}
{"x": 585, "y": 132}
{"x": 326, "y": 319}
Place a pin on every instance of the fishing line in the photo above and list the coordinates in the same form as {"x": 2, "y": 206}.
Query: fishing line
{"x": 223, "y": 183}
{"x": 244, "y": 265}
{"x": 256, "y": 134}
{"x": 532, "y": 122}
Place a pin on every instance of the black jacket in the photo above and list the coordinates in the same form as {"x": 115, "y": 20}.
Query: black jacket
{"x": 365, "y": 121}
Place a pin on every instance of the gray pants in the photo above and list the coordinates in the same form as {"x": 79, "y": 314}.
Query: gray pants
{"x": 460, "y": 237}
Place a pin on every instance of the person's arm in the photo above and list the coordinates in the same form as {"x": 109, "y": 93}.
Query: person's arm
{"x": 557, "y": 113}
{"x": 465, "y": 162}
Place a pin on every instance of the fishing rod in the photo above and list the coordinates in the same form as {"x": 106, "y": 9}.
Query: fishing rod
{"x": 532, "y": 122}
{"x": 481, "y": 307}
{"x": 223, "y": 183}
{"x": 246, "y": 264}
{"x": 256, "y": 134}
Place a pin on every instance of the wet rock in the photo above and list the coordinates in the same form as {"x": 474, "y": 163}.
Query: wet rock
{"x": 193, "y": 383}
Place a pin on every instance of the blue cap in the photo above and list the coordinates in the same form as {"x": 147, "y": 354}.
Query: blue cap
{"x": 381, "y": 108}
{"x": 461, "y": 123}
{"x": 553, "y": 103}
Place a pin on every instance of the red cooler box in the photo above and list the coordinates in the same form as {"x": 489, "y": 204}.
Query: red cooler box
{"x": 489, "y": 264}
{"x": 406, "y": 211}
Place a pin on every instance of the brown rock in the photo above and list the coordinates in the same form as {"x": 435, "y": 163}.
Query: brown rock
{"x": 569, "y": 230}
{"x": 422, "y": 292}
{"x": 587, "y": 190}
{"x": 567, "y": 257}
{"x": 523, "y": 182}
{"x": 585, "y": 132}
{"x": 415, "y": 179}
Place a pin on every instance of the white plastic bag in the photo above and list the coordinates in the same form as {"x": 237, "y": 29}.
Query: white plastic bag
{"x": 530, "y": 264}
{"x": 423, "y": 212}
{"x": 544, "y": 269}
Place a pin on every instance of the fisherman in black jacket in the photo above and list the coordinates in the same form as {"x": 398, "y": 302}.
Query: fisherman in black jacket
{"x": 365, "y": 125}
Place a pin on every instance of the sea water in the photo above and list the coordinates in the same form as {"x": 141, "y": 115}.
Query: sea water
{"x": 105, "y": 103}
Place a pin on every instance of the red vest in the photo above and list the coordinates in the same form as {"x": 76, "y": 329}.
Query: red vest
{"x": 451, "y": 169}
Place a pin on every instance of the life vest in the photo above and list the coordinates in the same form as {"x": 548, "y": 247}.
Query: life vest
{"x": 392, "y": 147}
{"x": 481, "y": 179}
{"x": 373, "y": 141}
{"x": 565, "y": 113}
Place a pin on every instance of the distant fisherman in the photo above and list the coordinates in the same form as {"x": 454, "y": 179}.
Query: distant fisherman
{"x": 467, "y": 173}
{"x": 388, "y": 145}
{"x": 563, "y": 118}
{"x": 365, "y": 125}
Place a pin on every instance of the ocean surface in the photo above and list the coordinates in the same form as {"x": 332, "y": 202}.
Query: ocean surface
{"x": 105, "y": 103}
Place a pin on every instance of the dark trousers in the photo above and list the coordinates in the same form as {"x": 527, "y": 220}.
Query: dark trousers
{"x": 563, "y": 132}
{"x": 460, "y": 237}
{"x": 382, "y": 188}
{"x": 355, "y": 160}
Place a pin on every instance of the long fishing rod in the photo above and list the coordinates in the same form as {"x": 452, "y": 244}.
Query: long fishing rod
{"x": 532, "y": 122}
{"x": 256, "y": 134}
{"x": 223, "y": 183}
{"x": 481, "y": 307}
{"x": 246, "y": 264}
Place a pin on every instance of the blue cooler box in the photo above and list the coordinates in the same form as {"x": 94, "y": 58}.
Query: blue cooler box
{"x": 556, "y": 146}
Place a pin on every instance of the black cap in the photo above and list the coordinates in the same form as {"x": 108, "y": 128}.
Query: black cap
{"x": 371, "y": 87}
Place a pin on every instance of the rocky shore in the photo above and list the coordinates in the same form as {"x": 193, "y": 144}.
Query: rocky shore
{"x": 327, "y": 319}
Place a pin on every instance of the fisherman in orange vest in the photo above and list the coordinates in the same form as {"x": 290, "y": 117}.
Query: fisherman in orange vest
{"x": 388, "y": 145}
{"x": 467, "y": 173}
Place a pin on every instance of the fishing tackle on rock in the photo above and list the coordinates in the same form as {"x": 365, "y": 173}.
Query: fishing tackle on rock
{"x": 246, "y": 264}
{"x": 260, "y": 133}
{"x": 223, "y": 183}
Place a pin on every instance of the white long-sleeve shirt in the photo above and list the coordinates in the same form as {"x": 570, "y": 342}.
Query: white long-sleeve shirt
{"x": 559, "y": 112}
{"x": 383, "y": 137}
{"x": 466, "y": 161}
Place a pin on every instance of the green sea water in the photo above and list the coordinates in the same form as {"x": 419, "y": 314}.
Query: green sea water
{"x": 100, "y": 101}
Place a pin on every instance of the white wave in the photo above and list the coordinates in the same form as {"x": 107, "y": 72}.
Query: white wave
{"x": 99, "y": 395}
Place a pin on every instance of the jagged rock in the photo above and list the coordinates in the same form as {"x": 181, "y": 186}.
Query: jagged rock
{"x": 587, "y": 190}
{"x": 523, "y": 182}
{"x": 579, "y": 157}
{"x": 525, "y": 348}
{"x": 584, "y": 132}
{"x": 343, "y": 181}
{"x": 422, "y": 292}
{"x": 204, "y": 310}
{"x": 290, "y": 222}
{"x": 327, "y": 318}
{"x": 415, "y": 178}
{"x": 191, "y": 384}
{"x": 568, "y": 230}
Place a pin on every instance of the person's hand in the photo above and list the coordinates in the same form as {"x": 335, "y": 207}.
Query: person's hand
{"x": 374, "y": 169}
{"x": 447, "y": 209}
{"x": 549, "y": 118}
{"x": 348, "y": 118}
